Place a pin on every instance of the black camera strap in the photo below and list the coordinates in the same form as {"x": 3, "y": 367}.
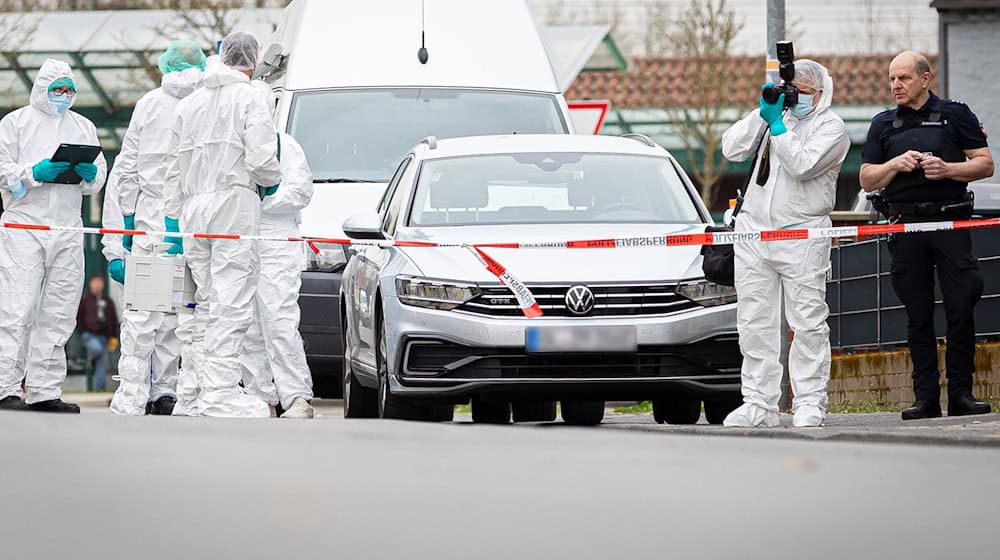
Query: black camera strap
{"x": 761, "y": 134}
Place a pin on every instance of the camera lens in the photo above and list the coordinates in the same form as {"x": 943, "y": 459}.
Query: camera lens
{"x": 771, "y": 94}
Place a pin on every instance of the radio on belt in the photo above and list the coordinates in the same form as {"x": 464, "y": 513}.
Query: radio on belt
{"x": 158, "y": 282}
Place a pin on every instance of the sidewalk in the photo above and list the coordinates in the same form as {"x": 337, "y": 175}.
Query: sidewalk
{"x": 981, "y": 431}
{"x": 89, "y": 400}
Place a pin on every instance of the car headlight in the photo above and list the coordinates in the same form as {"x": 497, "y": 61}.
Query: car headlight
{"x": 331, "y": 258}
{"x": 433, "y": 293}
{"x": 707, "y": 294}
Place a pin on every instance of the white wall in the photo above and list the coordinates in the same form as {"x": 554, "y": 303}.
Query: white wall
{"x": 816, "y": 26}
{"x": 973, "y": 68}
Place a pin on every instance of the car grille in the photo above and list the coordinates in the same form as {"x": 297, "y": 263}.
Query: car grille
{"x": 609, "y": 300}
{"x": 427, "y": 358}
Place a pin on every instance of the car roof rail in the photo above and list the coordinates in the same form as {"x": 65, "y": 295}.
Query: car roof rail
{"x": 640, "y": 138}
{"x": 431, "y": 141}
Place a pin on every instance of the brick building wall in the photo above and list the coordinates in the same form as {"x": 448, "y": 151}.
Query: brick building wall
{"x": 883, "y": 378}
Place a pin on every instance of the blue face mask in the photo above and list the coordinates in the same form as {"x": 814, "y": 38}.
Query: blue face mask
{"x": 62, "y": 102}
{"x": 804, "y": 106}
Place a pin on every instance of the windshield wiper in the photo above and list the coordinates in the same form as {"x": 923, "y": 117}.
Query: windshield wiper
{"x": 345, "y": 180}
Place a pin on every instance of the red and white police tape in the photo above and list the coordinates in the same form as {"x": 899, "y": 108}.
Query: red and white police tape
{"x": 525, "y": 300}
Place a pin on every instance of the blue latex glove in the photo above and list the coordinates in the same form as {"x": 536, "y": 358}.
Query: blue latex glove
{"x": 86, "y": 170}
{"x": 178, "y": 242}
{"x": 47, "y": 170}
{"x": 129, "y": 220}
{"x": 771, "y": 112}
{"x": 264, "y": 192}
{"x": 116, "y": 269}
{"x": 18, "y": 189}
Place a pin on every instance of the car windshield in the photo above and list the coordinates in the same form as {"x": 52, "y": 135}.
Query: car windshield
{"x": 551, "y": 188}
{"x": 360, "y": 135}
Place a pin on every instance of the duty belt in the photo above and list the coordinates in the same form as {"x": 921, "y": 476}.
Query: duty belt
{"x": 960, "y": 208}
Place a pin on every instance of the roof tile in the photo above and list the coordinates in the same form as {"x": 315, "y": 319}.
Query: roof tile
{"x": 665, "y": 81}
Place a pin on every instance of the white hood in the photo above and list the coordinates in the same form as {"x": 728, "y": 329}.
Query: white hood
{"x": 50, "y": 71}
{"x": 632, "y": 264}
{"x": 822, "y": 77}
{"x": 222, "y": 75}
{"x": 183, "y": 83}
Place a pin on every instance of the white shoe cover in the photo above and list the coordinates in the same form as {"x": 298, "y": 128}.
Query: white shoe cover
{"x": 231, "y": 403}
{"x": 751, "y": 416}
{"x": 300, "y": 409}
{"x": 808, "y": 417}
{"x": 187, "y": 394}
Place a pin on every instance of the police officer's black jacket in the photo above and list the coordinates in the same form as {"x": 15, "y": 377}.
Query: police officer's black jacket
{"x": 943, "y": 127}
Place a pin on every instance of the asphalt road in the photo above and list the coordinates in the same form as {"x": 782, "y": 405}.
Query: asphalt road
{"x": 98, "y": 486}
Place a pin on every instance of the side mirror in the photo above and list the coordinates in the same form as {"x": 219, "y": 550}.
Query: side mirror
{"x": 364, "y": 226}
{"x": 271, "y": 62}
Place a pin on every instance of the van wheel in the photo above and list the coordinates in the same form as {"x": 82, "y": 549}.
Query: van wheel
{"x": 534, "y": 411}
{"x": 582, "y": 413}
{"x": 676, "y": 408}
{"x": 717, "y": 409}
{"x": 490, "y": 412}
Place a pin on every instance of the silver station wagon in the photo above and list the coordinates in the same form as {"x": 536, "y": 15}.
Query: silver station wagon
{"x": 427, "y": 324}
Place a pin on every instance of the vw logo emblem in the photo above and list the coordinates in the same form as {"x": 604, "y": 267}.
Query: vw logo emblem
{"x": 579, "y": 300}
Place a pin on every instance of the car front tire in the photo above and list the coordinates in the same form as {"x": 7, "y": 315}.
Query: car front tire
{"x": 401, "y": 408}
{"x": 359, "y": 401}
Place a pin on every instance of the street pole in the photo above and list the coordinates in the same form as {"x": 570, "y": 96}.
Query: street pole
{"x": 775, "y": 33}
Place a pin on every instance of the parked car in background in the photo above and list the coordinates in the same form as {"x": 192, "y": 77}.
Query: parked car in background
{"x": 352, "y": 90}
{"x": 428, "y": 327}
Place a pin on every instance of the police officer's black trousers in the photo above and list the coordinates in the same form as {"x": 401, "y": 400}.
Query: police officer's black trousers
{"x": 914, "y": 258}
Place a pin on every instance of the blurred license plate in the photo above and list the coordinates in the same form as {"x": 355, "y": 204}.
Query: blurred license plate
{"x": 580, "y": 339}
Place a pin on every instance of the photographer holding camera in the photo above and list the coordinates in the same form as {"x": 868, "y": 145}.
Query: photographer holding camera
{"x": 794, "y": 186}
{"x": 923, "y": 153}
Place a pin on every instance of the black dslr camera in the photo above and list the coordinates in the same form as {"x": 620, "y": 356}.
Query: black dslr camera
{"x": 786, "y": 69}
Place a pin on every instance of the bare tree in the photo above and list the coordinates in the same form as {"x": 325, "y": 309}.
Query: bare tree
{"x": 18, "y": 22}
{"x": 882, "y": 31}
{"x": 555, "y": 12}
{"x": 794, "y": 31}
{"x": 656, "y": 39}
{"x": 207, "y": 20}
{"x": 704, "y": 33}
{"x": 597, "y": 12}
{"x": 613, "y": 15}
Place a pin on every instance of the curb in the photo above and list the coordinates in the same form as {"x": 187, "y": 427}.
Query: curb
{"x": 955, "y": 438}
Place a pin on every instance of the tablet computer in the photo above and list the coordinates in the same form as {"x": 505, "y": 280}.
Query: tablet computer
{"x": 74, "y": 154}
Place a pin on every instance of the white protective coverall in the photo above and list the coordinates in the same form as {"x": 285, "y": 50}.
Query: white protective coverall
{"x": 167, "y": 347}
{"x": 142, "y": 169}
{"x": 799, "y": 193}
{"x": 222, "y": 146}
{"x": 273, "y": 348}
{"x": 41, "y": 272}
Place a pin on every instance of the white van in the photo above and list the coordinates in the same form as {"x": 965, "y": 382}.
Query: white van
{"x": 353, "y": 91}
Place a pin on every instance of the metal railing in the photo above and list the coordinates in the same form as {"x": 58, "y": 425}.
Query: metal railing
{"x": 864, "y": 310}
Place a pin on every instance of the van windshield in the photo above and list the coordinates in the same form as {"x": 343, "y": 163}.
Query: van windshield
{"x": 361, "y": 135}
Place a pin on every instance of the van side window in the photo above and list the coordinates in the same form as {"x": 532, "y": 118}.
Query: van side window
{"x": 397, "y": 197}
{"x": 392, "y": 183}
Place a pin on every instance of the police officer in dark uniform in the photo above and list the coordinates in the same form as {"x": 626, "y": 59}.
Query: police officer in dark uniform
{"x": 922, "y": 155}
